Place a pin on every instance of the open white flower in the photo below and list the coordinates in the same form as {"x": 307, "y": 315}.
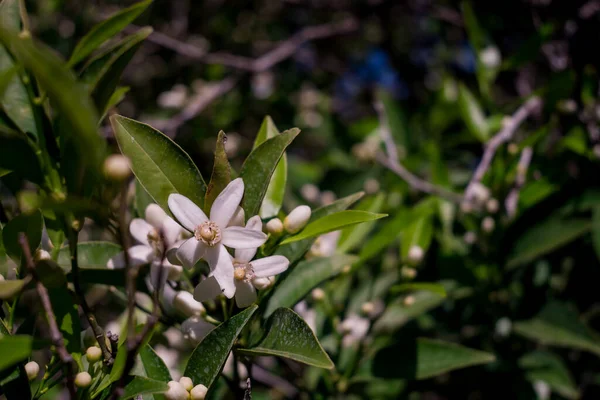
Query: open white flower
{"x": 211, "y": 235}
{"x": 245, "y": 272}
{"x": 156, "y": 235}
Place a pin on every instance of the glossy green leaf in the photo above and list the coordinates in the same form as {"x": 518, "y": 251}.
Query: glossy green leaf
{"x": 295, "y": 251}
{"x": 333, "y": 222}
{"x": 89, "y": 255}
{"x": 274, "y": 196}
{"x": 8, "y": 289}
{"x": 153, "y": 365}
{"x": 288, "y": 335}
{"x": 304, "y": 277}
{"x": 259, "y": 167}
{"x": 14, "y": 349}
{"x": 353, "y": 236}
{"x": 472, "y": 114}
{"x": 419, "y": 233}
{"x": 106, "y": 30}
{"x": 545, "y": 237}
{"x": 207, "y": 360}
{"x": 425, "y": 358}
{"x": 559, "y": 325}
{"x": 142, "y": 199}
{"x": 115, "y": 98}
{"x": 161, "y": 166}
{"x": 10, "y": 17}
{"x": 140, "y": 385}
{"x": 547, "y": 367}
{"x": 436, "y": 288}
{"x": 31, "y": 225}
{"x": 67, "y": 317}
{"x": 221, "y": 173}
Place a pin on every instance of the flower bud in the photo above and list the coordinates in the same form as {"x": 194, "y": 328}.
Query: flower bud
{"x": 409, "y": 300}
{"x": 470, "y": 237}
{"x": 297, "y": 219}
{"x": 466, "y": 207}
{"x": 176, "y": 391}
{"x": 263, "y": 283}
{"x": 116, "y": 167}
{"x": 238, "y": 218}
{"x": 185, "y": 303}
{"x": 199, "y": 392}
{"x": 318, "y": 294}
{"x": 32, "y": 369}
{"x": 367, "y": 308}
{"x": 415, "y": 255}
{"x": 488, "y": 224}
{"x": 310, "y": 192}
{"x": 83, "y": 380}
{"x": 41, "y": 254}
{"x": 490, "y": 57}
{"x": 327, "y": 197}
{"x": 186, "y": 383}
{"x": 275, "y": 226}
{"x": 492, "y": 206}
{"x": 1, "y": 277}
{"x": 480, "y": 193}
{"x": 513, "y": 148}
{"x": 408, "y": 272}
{"x": 371, "y": 186}
{"x": 93, "y": 354}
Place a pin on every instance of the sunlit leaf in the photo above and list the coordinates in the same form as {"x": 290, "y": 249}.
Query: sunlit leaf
{"x": 8, "y": 289}
{"x": 472, "y": 114}
{"x": 14, "y": 349}
{"x": 547, "y": 367}
{"x": 140, "y": 385}
{"x": 436, "y": 288}
{"x": 353, "y": 236}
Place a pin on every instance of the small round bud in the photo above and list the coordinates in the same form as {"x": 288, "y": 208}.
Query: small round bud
{"x": 488, "y": 224}
{"x": 297, "y": 219}
{"x": 41, "y": 254}
{"x": 513, "y": 148}
{"x": 371, "y": 186}
{"x": 93, "y": 354}
{"x": 176, "y": 391}
{"x": 327, "y": 197}
{"x": 492, "y": 206}
{"x": 346, "y": 269}
{"x": 186, "y": 383}
{"x": 470, "y": 237}
{"x": 408, "y": 272}
{"x": 32, "y": 369}
{"x": 480, "y": 193}
{"x": 1, "y": 277}
{"x": 310, "y": 192}
{"x": 367, "y": 308}
{"x": 117, "y": 167}
{"x": 466, "y": 207}
{"x": 318, "y": 294}
{"x": 187, "y": 305}
{"x": 83, "y": 380}
{"x": 199, "y": 392}
{"x": 490, "y": 57}
{"x": 263, "y": 283}
{"x": 275, "y": 226}
{"x": 409, "y": 301}
{"x": 415, "y": 255}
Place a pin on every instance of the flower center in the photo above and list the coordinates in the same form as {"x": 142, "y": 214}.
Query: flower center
{"x": 208, "y": 232}
{"x": 156, "y": 242}
{"x": 243, "y": 271}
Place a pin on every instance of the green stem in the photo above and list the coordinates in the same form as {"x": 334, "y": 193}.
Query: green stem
{"x": 24, "y": 16}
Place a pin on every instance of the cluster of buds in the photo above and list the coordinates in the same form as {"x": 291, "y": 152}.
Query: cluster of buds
{"x": 184, "y": 389}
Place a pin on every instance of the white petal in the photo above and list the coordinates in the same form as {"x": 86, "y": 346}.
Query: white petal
{"x": 171, "y": 231}
{"x": 207, "y": 289}
{"x": 255, "y": 223}
{"x": 140, "y": 254}
{"x": 190, "y": 252}
{"x": 269, "y": 266}
{"x": 238, "y": 218}
{"x": 155, "y": 215}
{"x": 187, "y": 213}
{"x": 171, "y": 255}
{"x": 226, "y": 203}
{"x": 140, "y": 229}
{"x": 158, "y": 275}
{"x": 116, "y": 262}
{"x": 245, "y": 294}
{"x": 221, "y": 266}
{"x": 242, "y": 238}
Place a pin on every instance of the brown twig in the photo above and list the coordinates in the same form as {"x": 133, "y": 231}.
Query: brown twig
{"x": 56, "y": 336}
{"x": 512, "y": 199}
{"x": 505, "y": 134}
{"x": 391, "y": 161}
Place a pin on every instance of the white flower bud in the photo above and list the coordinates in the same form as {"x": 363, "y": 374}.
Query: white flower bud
{"x": 238, "y": 218}
{"x": 117, "y": 167}
{"x": 408, "y": 272}
{"x": 297, "y": 219}
{"x": 490, "y": 57}
{"x": 466, "y": 207}
{"x": 492, "y": 206}
{"x": 263, "y": 283}
{"x": 93, "y": 354}
{"x": 327, "y": 197}
{"x": 488, "y": 224}
{"x": 470, "y": 237}
{"x": 513, "y": 148}
{"x": 83, "y": 380}
{"x": 275, "y": 226}
{"x": 1, "y": 277}
{"x": 184, "y": 302}
{"x": 367, "y": 308}
{"x": 174, "y": 272}
{"x": 503, "y": 327}
{"x": 176, "y": 391}
{"x": 199, "y": 392}
{"x": 415, "y": 255}
{"x": 480, "y": 193}
{"x": 318, "y": 294}
{"x": 371, "y": 186}
{"x": 310, "y": 192}
{"x": 542, "y": 389}
{"x": 186, "y": 383}
{"x": 409, "y": 300}
{"x": 41, "y": 255}
{"x": 32, "y": 369}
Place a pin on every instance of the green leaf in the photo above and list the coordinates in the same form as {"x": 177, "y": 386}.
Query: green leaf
{"x": 545, "y": 237}
{"x": 418, "y": 233}
{"x": 472, "y": 114}
{"x": 115, "y": 98}
{"x": 18, "y": 154}
{"x": 559, "y": 325}
{"x": 15, "y": 99}
{"x": 274, "y": 197}
{"x": 396, "y": 121}
{"x": 436, "y": 288}
{"x": 207, "y": 360}
{"x": 333, "y": 222}
{"x": 31, "y": 225}
{"x": 106, "y": 30}
{"x": 259, "y": 167}
{"x": 154, "y": 366}
{"x": 14, "y": 349}
{"x": 67, "y": 316}
{"x": 221, "y": 174}
{"x": 295, "y": 251}
{"x": 8, "y": 289}
{"x": 92, "y": 255}
{"x": 353, "y": 236}
{"x": 303, "y": 278}
{"x": 142, "y": 199}
{"x": 140, "y": 385}
{"x": 289, "y": 336}
{"x": 425, "y": 358}
{"x": 547, "y": 367}
{"x": 161, "y": 166}
{"x": 474, "y": 30}
{"x": 103, "y": 72}
{"x": 10, "y": 16}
